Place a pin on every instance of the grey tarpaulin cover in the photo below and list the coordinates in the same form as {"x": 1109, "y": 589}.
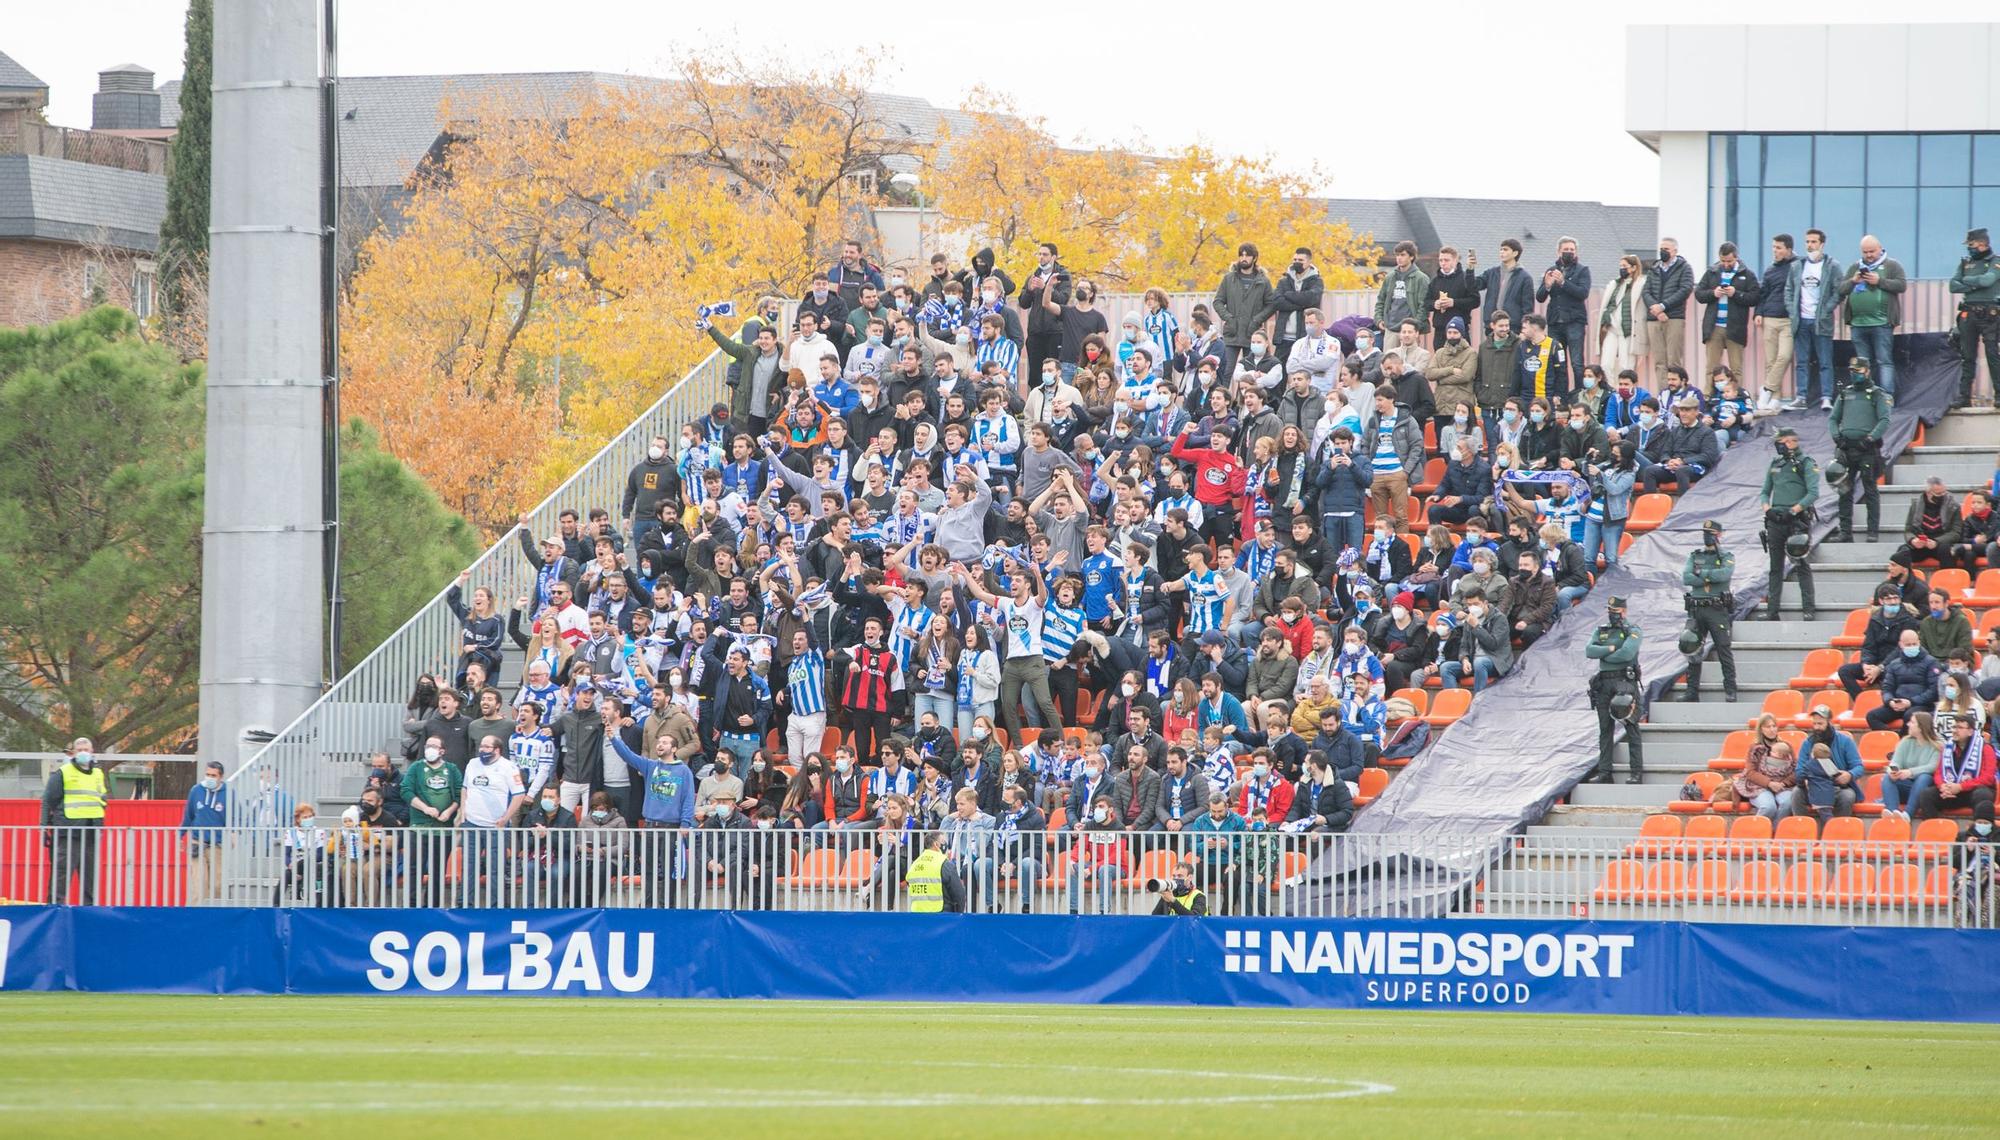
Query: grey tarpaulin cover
{"x": 1529, "y": 738}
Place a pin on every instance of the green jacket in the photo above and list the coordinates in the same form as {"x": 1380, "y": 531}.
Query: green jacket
{"x": 1244, "y": 304}
{"x": 1891, "y": 286}
{"x": 1942, "y": 636}
{"x": 1979, "y": 279}
{"x": 743, "y": 371}
{"x": 1707, "y": 574}
{"x": 1787, "y": 485}
{"x": 437, "y": 786}
{"x": 1419, "y": 288}
{"x": 1611, "y": 652}
{"x": 1498, "y": 362}
{"x": 1859, "y": 412}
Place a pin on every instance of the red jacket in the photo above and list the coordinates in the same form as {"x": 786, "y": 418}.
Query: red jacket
{"x": 1277, "y": 805}
{"x": 1984, "y": 779}
{"x": 1218, "y": 475}
{"x": 1298, "y": 638}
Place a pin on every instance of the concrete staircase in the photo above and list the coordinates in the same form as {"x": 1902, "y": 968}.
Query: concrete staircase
{"x": 1681, "y": 738}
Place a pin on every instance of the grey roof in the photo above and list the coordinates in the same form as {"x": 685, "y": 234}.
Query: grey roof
{"x": 1602, "y": 232}
{"x": 170, "y": 103}
{"x": 14, "y": 77}
{"x": 55, "y": 200}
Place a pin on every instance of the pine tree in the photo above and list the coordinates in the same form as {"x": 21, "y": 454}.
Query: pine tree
{"x": 184, "y": 231}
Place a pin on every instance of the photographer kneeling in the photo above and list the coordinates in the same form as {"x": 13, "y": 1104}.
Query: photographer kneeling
{"x": 1178, "y": 895}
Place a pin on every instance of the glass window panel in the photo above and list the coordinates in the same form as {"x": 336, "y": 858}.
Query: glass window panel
{"x": 1739, "y": 227}
{"x": 1986, "y": 160}
{"x": 1788, "y": 160}
{"x": 1840, "y": 160}
{"x": 1892, "y": 160}
{"x": 1941, "y": 226}
{"x": 1785, "y": 212}
{"x": 1985, "y": 208}
{"x": 1719, "y": 172}
{"x": 1946, "y": 160}
{"x": 1892, "y": 218}
{"x": 1839, "y": 214}
{"x": 1747, "y": 162}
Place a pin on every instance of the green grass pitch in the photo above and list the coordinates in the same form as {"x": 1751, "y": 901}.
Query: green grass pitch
{"x": 94, "y": 1065}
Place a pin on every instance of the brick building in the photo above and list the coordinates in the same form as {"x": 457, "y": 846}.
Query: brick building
{"x": 80, "y": 210}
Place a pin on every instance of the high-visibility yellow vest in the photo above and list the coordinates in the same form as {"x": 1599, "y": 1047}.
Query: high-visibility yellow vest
{"x": 925, "y": 880}
{"x": 83, "y": 792}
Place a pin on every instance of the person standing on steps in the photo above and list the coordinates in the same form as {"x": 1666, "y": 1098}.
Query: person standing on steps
{"x": 1614, "y": 691}
{"x": 1978, "y": 281}
{"x": 1791, "y": 487}
{"x": 1711, "y": 610}
{"x": 1859, "y": 418}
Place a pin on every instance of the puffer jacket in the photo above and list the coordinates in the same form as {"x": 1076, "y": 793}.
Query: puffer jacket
{"x": 1451, "y": 373}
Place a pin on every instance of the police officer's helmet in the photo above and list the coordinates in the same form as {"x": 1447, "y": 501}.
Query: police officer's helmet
{"x": 1623, "y": 705}
{"x": 1797, "y": 544}
{"x": 1836, "y": 472}
{"x": 1690, "y": 641}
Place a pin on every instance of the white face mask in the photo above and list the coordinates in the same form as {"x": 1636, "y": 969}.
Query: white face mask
{"x": 990, "y": 296}
{"x": 722, "y": 811}
{"x": 1260, "y": 770}
{"x": 656, "y": 453}
{"x": 1398, "y": 612}
{"x": 841, "y": 766}
{"x": 1129, "y": 689}
{"x": 550, "y": 806}
{"x": 1100, "y": 814}
{"x": 1475, "y": 612}
{"x": 431, "y": 754}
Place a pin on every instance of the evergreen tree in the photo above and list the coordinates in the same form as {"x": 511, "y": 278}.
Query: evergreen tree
{"x": 184, "y": 231}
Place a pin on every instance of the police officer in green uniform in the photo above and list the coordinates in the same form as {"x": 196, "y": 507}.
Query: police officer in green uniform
{"x": 1711, "y": 610}
{"x": 932, "y": 883}
{"x": 1614, "y": 691}
{"x": 1859, "y": 418}
{"x": 1791, "y": 487}
{"x": 1977, "y": 281}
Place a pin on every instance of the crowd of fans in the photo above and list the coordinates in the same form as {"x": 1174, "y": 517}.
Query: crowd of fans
{"x": 1178, "y": 575}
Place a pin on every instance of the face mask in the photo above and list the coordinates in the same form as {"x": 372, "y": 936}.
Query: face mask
{"x": 307, "y": 821}
{"x": 819, "y": 294}
{"x": 1665, "y": 255}
{"x": 1536, "y": 416}
{"x": 431, "y": 755}
{"x": 1257, "y": 825}
{"x": 1912, "y": 650}
{"x": 875, "y": 340}
{"x": 1100, "y": 814}
{"x": 1128, "y": 689}
{"x": 1475, "y": 612}
{"x": 990, "y": 296}
{"x": 841, "y": 766}
{"x": 1983, "y": 826}
{"x": 487, "y": 755}
{"x": 1362, "y": 344}
{"x": 1260, "y": 770}
{"x": 656, "y": 453}
{"x": 1510, "y": 415}
{"x": 550, "y": 806}
{"x": 1577, "y": 424}
{"x": 1649, "y": 419}
{"x": 1256, "y": 350}
{"x": 1951, "y": 692}
{"x": 1093, "y": 773}
{"x": 722, "y": 811}
{"x": 1590, "y": 381}
{"x": 599, "y": 815}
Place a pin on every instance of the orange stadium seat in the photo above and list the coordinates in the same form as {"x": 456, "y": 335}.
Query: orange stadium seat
{"x": 1658, "y": 835}
{"x": 1373, "y": 782}
{"x": 1985, "y": 590}
{"x": 1854, "y": 632}
{"x": 1842, "y": 837}
{"x": 1704, "y": 836}
{"x": 1852, "y": 885}
{"x": 1648, "y": 512}
{"x": 1706, "y": 782}
{"x": 1709, "y": 881}
{"x": 1757, "y": 882}
{"x": 1623, "y": 880}
{"x": 1448, "y": 706}
{"x": 1877, "y": 746}
{"x": 1804, "y": 882}
{"x": 1956, "y": 583}
{"x": 1750, "y": 836}
{"x": 1735, "y": 751}
{"x": 1666, "y": 881}
{"x": 1819, "y": 670}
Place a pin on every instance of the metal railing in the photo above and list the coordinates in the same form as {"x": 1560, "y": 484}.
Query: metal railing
{"x": 1306, "y": 875}
{"x": 363, "y": 711}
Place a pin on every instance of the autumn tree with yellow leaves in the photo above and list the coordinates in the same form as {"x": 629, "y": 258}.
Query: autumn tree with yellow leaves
{"x": 540, "y": 293}
{"x": 1130, "y": 219}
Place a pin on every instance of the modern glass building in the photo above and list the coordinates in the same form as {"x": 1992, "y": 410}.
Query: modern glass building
{"x": 1890, "y": 129}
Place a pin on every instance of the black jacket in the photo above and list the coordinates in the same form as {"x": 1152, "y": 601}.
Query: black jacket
{"x": 1334, "y": 802}
{"x": 1041, "y": 322}
{"x": 1668, "y": 286}
{"x": 1462, "y": 286}
{"x": 579, "y": 741}
{"x": 1884, "y": 633}
{"x": 1568, "y": 302}
{"x": 1742, "y": 305}
{"x": 1294, "y": 297}
{"x": 1344, "y": 749}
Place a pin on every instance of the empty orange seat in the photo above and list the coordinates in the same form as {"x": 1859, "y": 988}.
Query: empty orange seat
{"x": 1658, "y": 835}
{"x": 1855, "y": 719}
{"x": 1709, "y": 880}
{"x": 1448, "y": 706}
{"x": 1876, "y": 747}
{"x": 1888, "y": 838}
{"x": 1735, "y": 752}
{"x": 1804, "y": 882}
{"x": 817, "y": 869}
{"x": 1750, "y": 836}
{"x": 1986, "y": 589}
{"x": 1852, "y": 885}
{"x": 1666, "y": 881}
{"x": 1988, "y": 622}
{"x": 1793, "y": 830}
{"x": 1373, "y": 782}
{"x": 1703, "y": 838}
{"x": 1937, "y": 887}
{"x": 1757, "y": 882}
{"x": 1898, "y": 885}
{"x": 1820, "y": 669}
{"x": 1842, "y": 837}
{"x": 1956, "y": 583}
{"x": 1157, "y": 864}
{"x": 1933, "y": 839}
{"x": 1854, "y": 632}
{"x": 1785, "y": 704}
{"x": 1834, "y": 701}
{"x": 1648, "y": 512}
{"x": 853, "y": 873}
{"x": 1623, "y": 880}
{"x": 1433, "y": 474}
{"x": 1871, "y": 791}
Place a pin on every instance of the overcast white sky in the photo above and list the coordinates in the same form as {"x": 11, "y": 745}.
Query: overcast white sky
{"x": 1530, "y": 97}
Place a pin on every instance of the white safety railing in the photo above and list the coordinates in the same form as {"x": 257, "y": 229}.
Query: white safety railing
{"x": 1071, "y": 872}
{"x": 363, "y": 711}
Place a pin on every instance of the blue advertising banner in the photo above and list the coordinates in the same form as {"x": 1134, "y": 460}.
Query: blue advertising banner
{"x": 1575, "y": 967}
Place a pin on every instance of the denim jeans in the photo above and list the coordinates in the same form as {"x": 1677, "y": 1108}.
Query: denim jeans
{"x": 741, "y": 747}
{"x": 1107, "y": 879}
{"x": 1899, "y": 795}
{"x": 1877, "y": 345}
{"x": 943, "y": 702}
{"x": 1603, "y": 537}
{"x": 1027, "y": 877}
{"x": 1566, "y": 596}
{"x": 1342, "y": 531}
{"x": 1812, "y": 361}
{"x": 1482, "y": 673}
{"x": 641, "y": 527}
{"x": 967, "y": 716}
